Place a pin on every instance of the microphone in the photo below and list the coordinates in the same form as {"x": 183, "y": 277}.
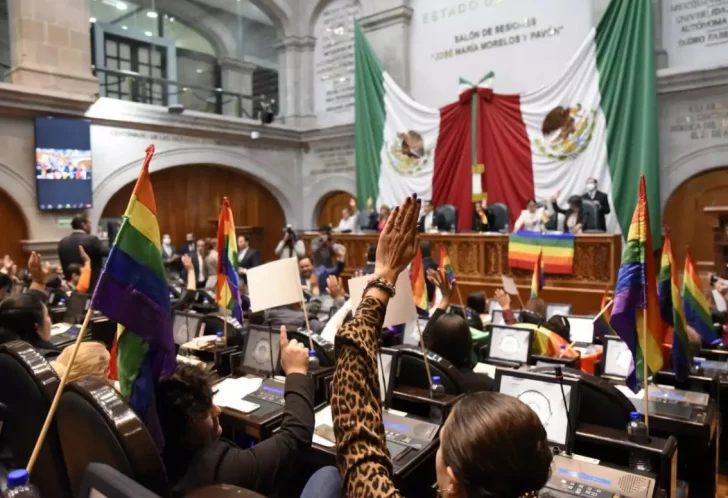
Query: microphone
{"x": 270, "y": 349}
{"x": 560, "y": 377}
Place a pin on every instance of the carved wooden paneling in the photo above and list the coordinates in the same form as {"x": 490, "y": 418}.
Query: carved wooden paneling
{"x": 479, "y": 262}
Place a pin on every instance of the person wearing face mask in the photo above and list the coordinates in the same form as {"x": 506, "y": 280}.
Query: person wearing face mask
{"x": 532, "y": 218}
{"x": 169, "y": 254}
{"x": 189, "y": 247}
{"x": 195, "y": 456}
{"x": 574, "y": 217}
{"x": 600, "y": 199}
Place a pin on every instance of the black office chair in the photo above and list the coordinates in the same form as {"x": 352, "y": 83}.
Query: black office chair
{"x": 450, "y": 216}
{"x": 411, "y": 370}
{"x": 102, "y": 480}
{"x": 591, "y": 212}
{"x": 27, "y": 389}
{"x": 600, "y": 402}
{"x": 324, "y": 349}
{"x": 96, "y": 425}
{"x": 501, "y": 215}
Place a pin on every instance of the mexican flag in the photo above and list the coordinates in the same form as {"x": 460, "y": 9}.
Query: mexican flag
{"x": 598, "y": 119}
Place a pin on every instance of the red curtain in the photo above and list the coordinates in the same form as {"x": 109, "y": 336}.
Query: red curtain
{"x": 452, "y": 179}
{"x": 506, "y": 151}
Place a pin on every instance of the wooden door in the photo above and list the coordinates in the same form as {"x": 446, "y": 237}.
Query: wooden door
{"x": 684, "y": 216}
{"x": 331, "y": 207}
{"x": 13, "y": 229}
{"x": 188, "y": 197}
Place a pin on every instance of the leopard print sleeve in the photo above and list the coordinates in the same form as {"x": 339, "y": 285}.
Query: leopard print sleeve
{"x": 361, "y": 448}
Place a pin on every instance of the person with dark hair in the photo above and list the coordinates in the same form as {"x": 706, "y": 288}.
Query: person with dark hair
{"x": 6, "y": 285}
{"x": 493, "y": 445}
{"x": 431, "y": 220}
{"x": 377, "y": 220}
{"x": 69, "y": 254}
{"x": 322, "y": 248}
{"x": 599, "y": 198}
{"x": 24, "y": 317}
{"x": 449, "y": 336}
{"x": 368, "y": 268}
{"x": 428, "y": 264}
{"x": 248, "y": 257}
{"x": 574, "y": 217}
{"x": 195, "y": 456}
{"x": 532, "y": 219}
{"x": 290, "y": 246}
{"x": 476, "y": 301}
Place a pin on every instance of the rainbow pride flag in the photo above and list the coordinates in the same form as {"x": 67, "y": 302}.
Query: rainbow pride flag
{"x": 537, "y": 280}
{"x": 417, "y": 280}
{"x": 635, "y": 297}
{"x": 228, "y": 281}
{"x": 601, "y": 322}
{"x": 446, "y": 265}
{"x": 671, "y": 310}
{"x": 558, "y": 251}
{"x": 697, "y": 309}
{"x": 132, "y": 291}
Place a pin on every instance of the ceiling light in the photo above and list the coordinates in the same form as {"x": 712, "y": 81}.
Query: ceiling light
{"x": 121, "y": 6}
{"x": 124, "y": 28}
{"x": 91, "y": 19}
{"x": 152, "y": 14}
{"x": 199, "y": 71}
{"x": 171, "y": 19}
{"x": 148, "y": 33}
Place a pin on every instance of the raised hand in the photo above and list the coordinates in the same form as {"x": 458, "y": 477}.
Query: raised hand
{"x": 439, "y": 279}
{"x": 335, "y": 287}
{"x": 503, "y": 299}
{"x": 84, "y": 257}
{"x": 398, "y": 241}
{"x": 187, "y": 262}
{"x": 38, "y": 271}
{"x": 7, "y": 264}
{"x": 294, "y": 356}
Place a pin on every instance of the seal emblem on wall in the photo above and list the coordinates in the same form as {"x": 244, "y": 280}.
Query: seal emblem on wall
{"x": 407, "y": 153}
{"x": 567, "y": 132}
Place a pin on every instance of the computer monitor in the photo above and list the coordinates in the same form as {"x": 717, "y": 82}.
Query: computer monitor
{"x": 76, "y": 307}
{"x": 387, "y": 360}
{"x": 557, "y": 309}
{"x": 617, "y": 357}
{"x": 262, "y": 350}
{"x": 185, "y": 327}
{"x": 543, "y": 394}
{"x": 496, "y": 318}
{"x": 581, "y": 329}
{"x": 510, "y": 344}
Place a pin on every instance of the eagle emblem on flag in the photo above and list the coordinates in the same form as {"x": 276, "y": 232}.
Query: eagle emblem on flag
{"x": 407, "y": 153}
{"x": 567, "y": 132}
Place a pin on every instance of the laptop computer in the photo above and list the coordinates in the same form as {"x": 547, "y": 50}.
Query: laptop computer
{"x": 581, "y": 332}
{"x": 509, "y": 346}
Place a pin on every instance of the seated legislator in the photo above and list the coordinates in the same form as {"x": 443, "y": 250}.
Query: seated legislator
{"x": 531, "y": 219}
{"x": 574, "y": 217}
{"x": 491, "y": 444}
{"x": 431, "y": 221}
{"x": 92, "y": 360}
{"x": 195, "y": 456}
{"x": 377, "y": 221}
{"x": 25, "y": 317}
{"x": 449, "y": 336}
{"x": 349, "y": 222}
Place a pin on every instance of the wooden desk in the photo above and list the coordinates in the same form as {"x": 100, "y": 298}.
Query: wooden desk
{"x": 479, "y": 260}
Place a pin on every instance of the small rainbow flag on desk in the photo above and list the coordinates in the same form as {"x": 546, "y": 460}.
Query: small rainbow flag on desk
{"x": 636, "y": 311}
{"x": 671, "y": 310}
{"x": 417, "y": 280}
{"x": 697, "y": 309}
{"x": 537, "y": 280}
{"x": 132, "y": 291}
{"x": 228, "y": 281}
{"x": 446, "y": 265}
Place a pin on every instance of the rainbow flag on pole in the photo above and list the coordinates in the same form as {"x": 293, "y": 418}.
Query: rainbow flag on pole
{"x": 537, "y": 279}
{"x": 557, "y": 251}
{"x": 446, "y": 265}
{"x": 228, "y": 281}
{"x": 697, "y": 309}
{"x": 671, "y": 310}
{"x": 417, "y": 280}
{"x": 132, "y": 291}
{"x": 635, "y": 297}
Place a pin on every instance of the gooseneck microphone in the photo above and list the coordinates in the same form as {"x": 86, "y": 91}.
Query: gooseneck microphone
{"x": 560, "y": 377}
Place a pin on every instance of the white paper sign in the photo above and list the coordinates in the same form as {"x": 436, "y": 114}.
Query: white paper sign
{"x": 509, "y": 285}
{"x": 274, "y": 284}
{"x": 400, "y": 310}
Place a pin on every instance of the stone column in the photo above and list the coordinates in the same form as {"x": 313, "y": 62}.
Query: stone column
{"x": 659, "y": 21}
{"x": 237, "y": 76}
{"x": 295, "y": 80}
{"x": 51, "y": 46}
{"x": 388, "y": 32}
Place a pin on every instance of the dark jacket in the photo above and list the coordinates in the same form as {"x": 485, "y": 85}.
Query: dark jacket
{"x": 438, "y": 221}
{"x": 188, "y": 248}
{"x": 261, "y": 468}
{"x": 250, "y": 260}
{"x": 567, "y": 212}
{"x": 293, "y": 319}
{"x": 69, "y": 254}
{"x": 474, "y": 382}
{"x": 602, "y": 201}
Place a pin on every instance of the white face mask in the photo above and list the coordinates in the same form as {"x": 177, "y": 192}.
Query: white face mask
{"x": 591, "y": 187}
{"x": 166, "y": 240}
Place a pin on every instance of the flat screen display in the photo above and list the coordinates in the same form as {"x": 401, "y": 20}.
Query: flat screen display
{"x": 581, "y": 329}
{"x": 261, "y": 354}
{"x": 617, "y": 358}
{"x": 509, "y": 344}
{"x": 63, "y": 163}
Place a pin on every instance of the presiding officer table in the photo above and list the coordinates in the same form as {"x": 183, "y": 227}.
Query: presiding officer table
{"x": 479, "y": 260}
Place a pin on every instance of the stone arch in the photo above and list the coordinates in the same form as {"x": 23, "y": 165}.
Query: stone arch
{"x": 319, "y": 190}
{"x": 689, "y": 165}
{"x": 280, "y": 13}
{"x": 20, "y": 191}
{"x": 214, "y": 31}
{"x": 314, "y": 11}
{"x": 282, "y": 190}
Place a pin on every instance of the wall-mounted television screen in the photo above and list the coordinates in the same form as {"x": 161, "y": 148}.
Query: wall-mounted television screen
{"x": 63, "y": 163}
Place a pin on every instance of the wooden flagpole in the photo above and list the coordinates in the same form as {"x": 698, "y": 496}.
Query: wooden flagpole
{"x": 59, "y": 392}
{"x": 225, "y": 324}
